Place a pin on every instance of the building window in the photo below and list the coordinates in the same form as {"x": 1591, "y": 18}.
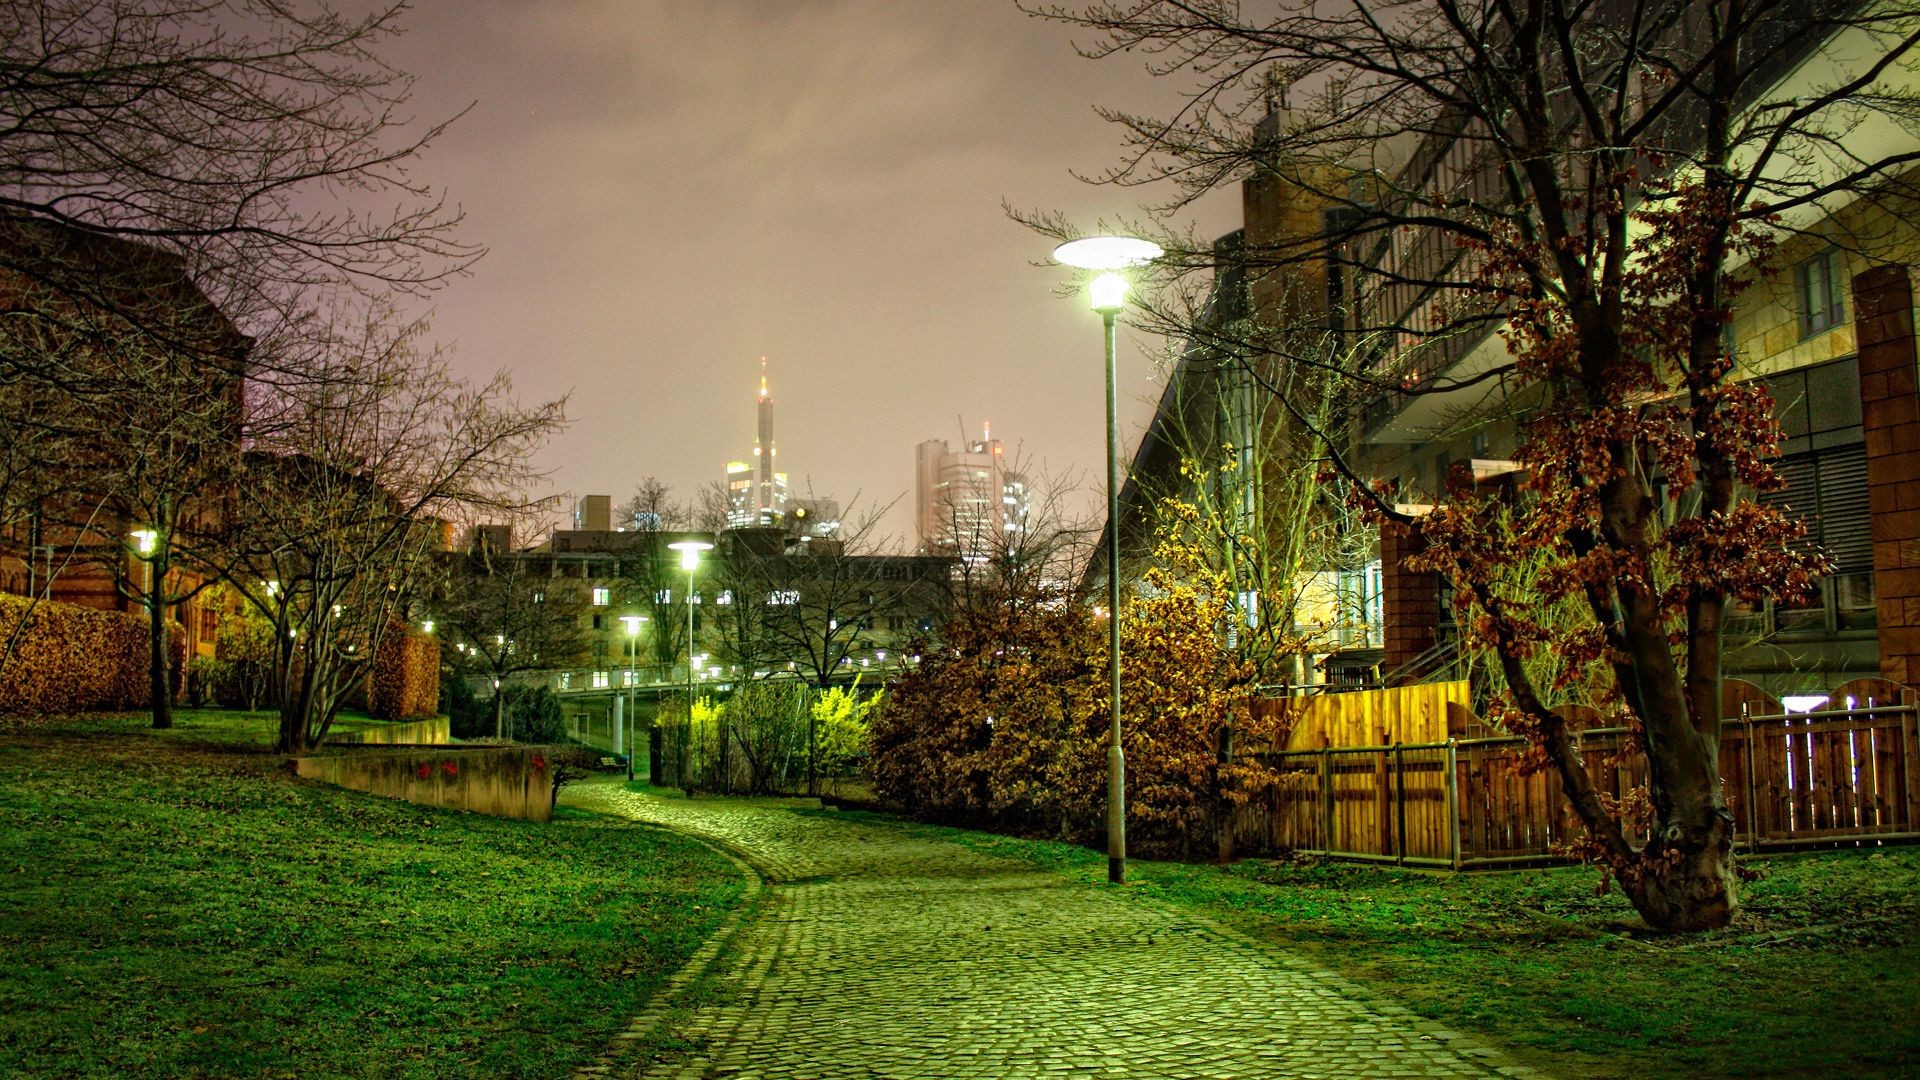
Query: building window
{"x": 599, "y": 621}
{"x": 601, "y": 598}
{"x": 599, "y": 680}
{"x": 1822, "y": 285}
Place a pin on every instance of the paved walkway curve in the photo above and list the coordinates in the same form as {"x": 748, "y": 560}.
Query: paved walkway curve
{"x": 877, "y": 953}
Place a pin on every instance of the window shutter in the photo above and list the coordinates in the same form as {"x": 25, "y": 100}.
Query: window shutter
{"x": 1846, "y": 523}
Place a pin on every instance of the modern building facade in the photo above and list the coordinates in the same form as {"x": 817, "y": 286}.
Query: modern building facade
{"x": 1827, "y": 326}
{"x": 969, "y": 503}
{"x": 757, "y": 490}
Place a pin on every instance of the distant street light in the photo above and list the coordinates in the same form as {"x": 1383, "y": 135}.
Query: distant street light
{"x": 689, "y": 561}
{"x": 1108, "y": 294}
{"x": 146, "y": 545}
{"x": 633, "y": 721}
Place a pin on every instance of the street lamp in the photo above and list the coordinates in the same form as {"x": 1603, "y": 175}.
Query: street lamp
{"x": 689, "y": 561}
{"x": 146, "y": 546}
{"x": 633, "y": 720}
{"x": 1108, "y": 294}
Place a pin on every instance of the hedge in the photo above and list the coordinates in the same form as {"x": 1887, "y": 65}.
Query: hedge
{"x": 71, "y": 658}
{"x": 405, "y": 681}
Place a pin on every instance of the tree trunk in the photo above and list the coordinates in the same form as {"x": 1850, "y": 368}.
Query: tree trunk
{"x": 1686, "y": 879}
{"x": 157, "y": 681}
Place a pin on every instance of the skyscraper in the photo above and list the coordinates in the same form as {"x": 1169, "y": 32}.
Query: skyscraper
{"x": 969, "y": 504}
{"x": 756, "y": 494}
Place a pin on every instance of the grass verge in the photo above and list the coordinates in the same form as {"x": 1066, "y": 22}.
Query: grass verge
{"x": 1819, "y": 976}
{"x": 177, "y": 904}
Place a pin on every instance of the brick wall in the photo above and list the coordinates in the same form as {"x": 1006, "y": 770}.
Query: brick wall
{"x": 1890, "y": 413}
{"x": 1410, "y": 601}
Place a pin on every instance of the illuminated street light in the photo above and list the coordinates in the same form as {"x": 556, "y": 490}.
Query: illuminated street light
{"x": 1108, "y": 295}
{"x": 689, "y": 561}
{"x": 633, "y": 644}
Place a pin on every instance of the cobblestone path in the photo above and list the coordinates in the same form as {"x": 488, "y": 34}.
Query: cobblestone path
{"x": 875, "y": 953}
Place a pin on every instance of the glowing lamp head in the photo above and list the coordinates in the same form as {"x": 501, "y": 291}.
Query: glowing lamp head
{"x": 690, "y": 552}
{"x": 145, "y": 541}
{"x": 633, "y": 623}
{"x": 1107, "y": 293}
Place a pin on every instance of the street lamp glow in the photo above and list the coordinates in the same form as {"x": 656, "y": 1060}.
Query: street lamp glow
{"x": 633, "y": 623}
{"x": 690, "y": 552}
{"x": 1107, "y": 294}
{"x": 689, "y": 561}
{"x": 1107, "y": 252}
{"x": 145, "y": 541}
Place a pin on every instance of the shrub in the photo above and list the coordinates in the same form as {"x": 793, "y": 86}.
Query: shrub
{"x": 68, "y": 658}
{"x": 405, "y": 681}
{"x": 534, "y": 716}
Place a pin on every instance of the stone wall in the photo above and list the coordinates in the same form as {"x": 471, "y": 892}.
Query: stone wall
{"x": 507, "y": 781}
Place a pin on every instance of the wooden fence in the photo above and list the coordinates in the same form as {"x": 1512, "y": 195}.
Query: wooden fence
{"x": 1791, "y": 779}
{"x": 1403, "y": 714}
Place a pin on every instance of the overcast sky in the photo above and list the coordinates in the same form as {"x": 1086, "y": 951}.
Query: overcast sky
{"x": 671, "y": 190}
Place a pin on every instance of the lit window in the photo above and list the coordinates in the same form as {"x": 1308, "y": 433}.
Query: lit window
{"x": 1822, "y": 282}
{"x": 602, "y": 597}
{"x": 599, "y": 680}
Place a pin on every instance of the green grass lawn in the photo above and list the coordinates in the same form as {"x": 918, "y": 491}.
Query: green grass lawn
{"x": 178, "y": 904}
{"x": 1820, "y": 975}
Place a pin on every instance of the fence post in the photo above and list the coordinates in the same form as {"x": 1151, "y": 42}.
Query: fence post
{"x": 1453, "y": 801}
{"x": 1326, "y": 798}
{"x": 1910, "y": 735}
{"x": 1400, "y": 800}
{"x": 1753, "y": 788}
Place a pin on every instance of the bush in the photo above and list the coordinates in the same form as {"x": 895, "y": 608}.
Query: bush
{"x": 68, "y": 658}
{"x": 534, "y": 716}
{"x": 468, "y": 717}
{"x": 405, "y": 681}
{"x": 241, "y": 677}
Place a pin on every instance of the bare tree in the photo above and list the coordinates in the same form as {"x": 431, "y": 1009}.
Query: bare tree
{"x": 500, "y": 616}
{"x": 351, "y": 475}
{"x": 653, "y": 579}
{"x": 221, "y": 131}
{"x": 1595, "y": 183}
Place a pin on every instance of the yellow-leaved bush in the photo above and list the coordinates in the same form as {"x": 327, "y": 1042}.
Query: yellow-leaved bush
{"x": 1006, "y": 720}
{"x": 405, "y": 681}
{"x": 69, "y": 658}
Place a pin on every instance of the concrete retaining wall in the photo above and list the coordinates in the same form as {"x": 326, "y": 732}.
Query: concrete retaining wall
{"x": 505, "y": 781}
{"x": 436, "y": 731}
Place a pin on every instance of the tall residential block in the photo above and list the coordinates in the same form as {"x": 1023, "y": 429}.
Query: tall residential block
{"x": 969, "y": 503}
{"x": 756, "y": 493}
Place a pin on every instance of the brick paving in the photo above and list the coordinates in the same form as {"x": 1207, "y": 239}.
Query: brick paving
{"x": 875, "y": 953}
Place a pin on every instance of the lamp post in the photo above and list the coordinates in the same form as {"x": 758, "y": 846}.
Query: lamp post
{"x": 689, "y": 561}
{"x": 146, "y": 547}
{"x": 1108, "y": 294}
{"x": 633, "y": 720}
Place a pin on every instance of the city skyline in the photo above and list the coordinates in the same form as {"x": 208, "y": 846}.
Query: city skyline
{"x": 878, "y": 141}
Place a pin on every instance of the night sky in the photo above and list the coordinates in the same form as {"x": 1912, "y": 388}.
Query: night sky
{"x": 671, "y": 190}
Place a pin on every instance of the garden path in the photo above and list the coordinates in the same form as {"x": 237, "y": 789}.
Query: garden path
{"x": 879, "y": 951}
